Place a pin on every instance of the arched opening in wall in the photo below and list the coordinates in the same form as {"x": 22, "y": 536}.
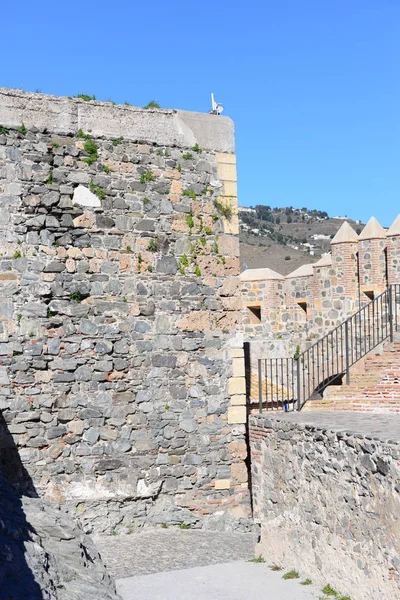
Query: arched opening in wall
{"x": 254, "y": 314}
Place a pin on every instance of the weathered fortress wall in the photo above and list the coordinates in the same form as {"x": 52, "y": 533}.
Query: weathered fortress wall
{"x": 328, "y": 504}
{"x": 121, "y": 377}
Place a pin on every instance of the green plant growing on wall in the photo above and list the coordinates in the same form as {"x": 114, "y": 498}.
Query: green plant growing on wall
{"x": 203, "y": 240}
{"x": 126, "y": 103}
{"x": 49, "y": 179}
{"x": 187, "y": 156}
{"x": 225, "y": 210}
{"x": 184, "y": 260}
{"x": 85, "y": 97}
{"x": 106, "y": 169}
{"x": 257, "y": 559}
{"x": 191, "y": 193}
{"x": 189, "y": 219}
{"x": 153, "y": 246}
{"x": 196, "y": 148}
{"x": 296, "y": 352}
{"x": 149, "y": 268}
{"x": 145, "y": 177}
{"x": 4, "y": 130}
{"x": 291, "y": 575}
{"x": 82, "y": 136}
{"x": 152, "y": 104}
{"x": 207, "y": 230}
{"x": 118, "y": 141}
{"x": 139, "y": 262}
{"x": 98, "y": 190}
{"x": 145, "y": 201}
{"x": 77, "y": 296}
{"x": 22, "y": 129}
{"x": 197, "y": 271}
{"x": 55, "y": 145}
{"x": 91, "y": 148}
{"x": 50, "y": 313}
{"x": 179, "y": 167}
{"x": 17, "y": 254}
{"x": 328, "y": 590}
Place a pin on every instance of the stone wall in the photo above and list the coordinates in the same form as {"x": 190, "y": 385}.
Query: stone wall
{"x": 119, "y": 315}
{"x": 328, "y": 505}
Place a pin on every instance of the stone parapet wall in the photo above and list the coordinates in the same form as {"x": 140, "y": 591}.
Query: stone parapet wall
{"x": 119, "y": 314}
{"x": 328, "y": 504}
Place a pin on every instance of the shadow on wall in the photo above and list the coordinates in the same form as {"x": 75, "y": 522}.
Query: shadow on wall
{"x": 17, "y": 580}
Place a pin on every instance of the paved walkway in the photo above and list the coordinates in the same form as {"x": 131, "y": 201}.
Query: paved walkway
{"x": 384, "y": 427}
{"x": 229, "y": 581}
{"x": 155, "y": 550}
{"x": 175, "y": 564}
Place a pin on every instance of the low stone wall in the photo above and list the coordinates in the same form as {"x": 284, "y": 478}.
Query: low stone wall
{"x": 328, "y": 504}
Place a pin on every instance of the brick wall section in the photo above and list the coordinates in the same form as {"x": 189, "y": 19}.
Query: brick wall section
{"x": 328, "y": 505}
{"x": 375, "y": 388}
{"x": 119, "y": 314}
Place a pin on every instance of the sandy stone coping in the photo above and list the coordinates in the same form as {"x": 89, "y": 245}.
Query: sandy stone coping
{"x": 165, "y": 127}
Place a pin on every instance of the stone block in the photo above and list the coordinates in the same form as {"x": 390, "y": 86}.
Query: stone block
{"x": 227, "y": 172}
{"x": 230, "y": 188}
{"x": 236, "y": 385}
{"x": 222, "y": 484}
{"x": 238, "y": 400}
{"x": 236, "y": 415}
{"x": 227, "y": 158}
{"x": 236, "y": 352}
{"x": 238, "y": 367}
{"x": 239, "y": 472}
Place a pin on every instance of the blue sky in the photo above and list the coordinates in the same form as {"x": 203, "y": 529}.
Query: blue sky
{"x": 313, "y": 85}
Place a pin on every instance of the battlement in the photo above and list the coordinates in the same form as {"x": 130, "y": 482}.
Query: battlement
{"x": 316, "y": 297}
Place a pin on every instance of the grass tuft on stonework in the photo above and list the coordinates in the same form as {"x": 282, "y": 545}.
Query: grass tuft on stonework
{"x": 291, "y": 575}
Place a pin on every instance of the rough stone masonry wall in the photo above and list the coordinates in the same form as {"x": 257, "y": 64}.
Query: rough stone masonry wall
{"x": 118, "y": 314}
{"x": 328, "y": 505}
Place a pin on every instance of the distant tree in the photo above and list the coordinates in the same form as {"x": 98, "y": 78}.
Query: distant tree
{"x": 277, "y": 220}
{"x": 289, "y": 219}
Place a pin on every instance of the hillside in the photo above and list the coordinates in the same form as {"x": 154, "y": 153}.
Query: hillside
{"x": 286, "y": 238}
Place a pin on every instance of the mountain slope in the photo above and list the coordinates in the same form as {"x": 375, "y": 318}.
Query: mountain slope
{"x": 286, "y": 238}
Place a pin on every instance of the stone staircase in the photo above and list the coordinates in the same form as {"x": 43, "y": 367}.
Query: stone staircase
{"x": 374, "y": 385}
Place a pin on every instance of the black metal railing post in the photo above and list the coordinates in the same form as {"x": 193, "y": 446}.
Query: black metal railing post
{"x": 346, "y": 336}
{"x": 298, "y": 383}
{"x": 391, "y": 334}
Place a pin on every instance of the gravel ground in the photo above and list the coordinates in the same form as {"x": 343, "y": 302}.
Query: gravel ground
{"x": 155, "y": 550}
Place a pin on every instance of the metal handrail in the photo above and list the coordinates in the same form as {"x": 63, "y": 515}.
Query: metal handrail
{"x": 289, "y": 382}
